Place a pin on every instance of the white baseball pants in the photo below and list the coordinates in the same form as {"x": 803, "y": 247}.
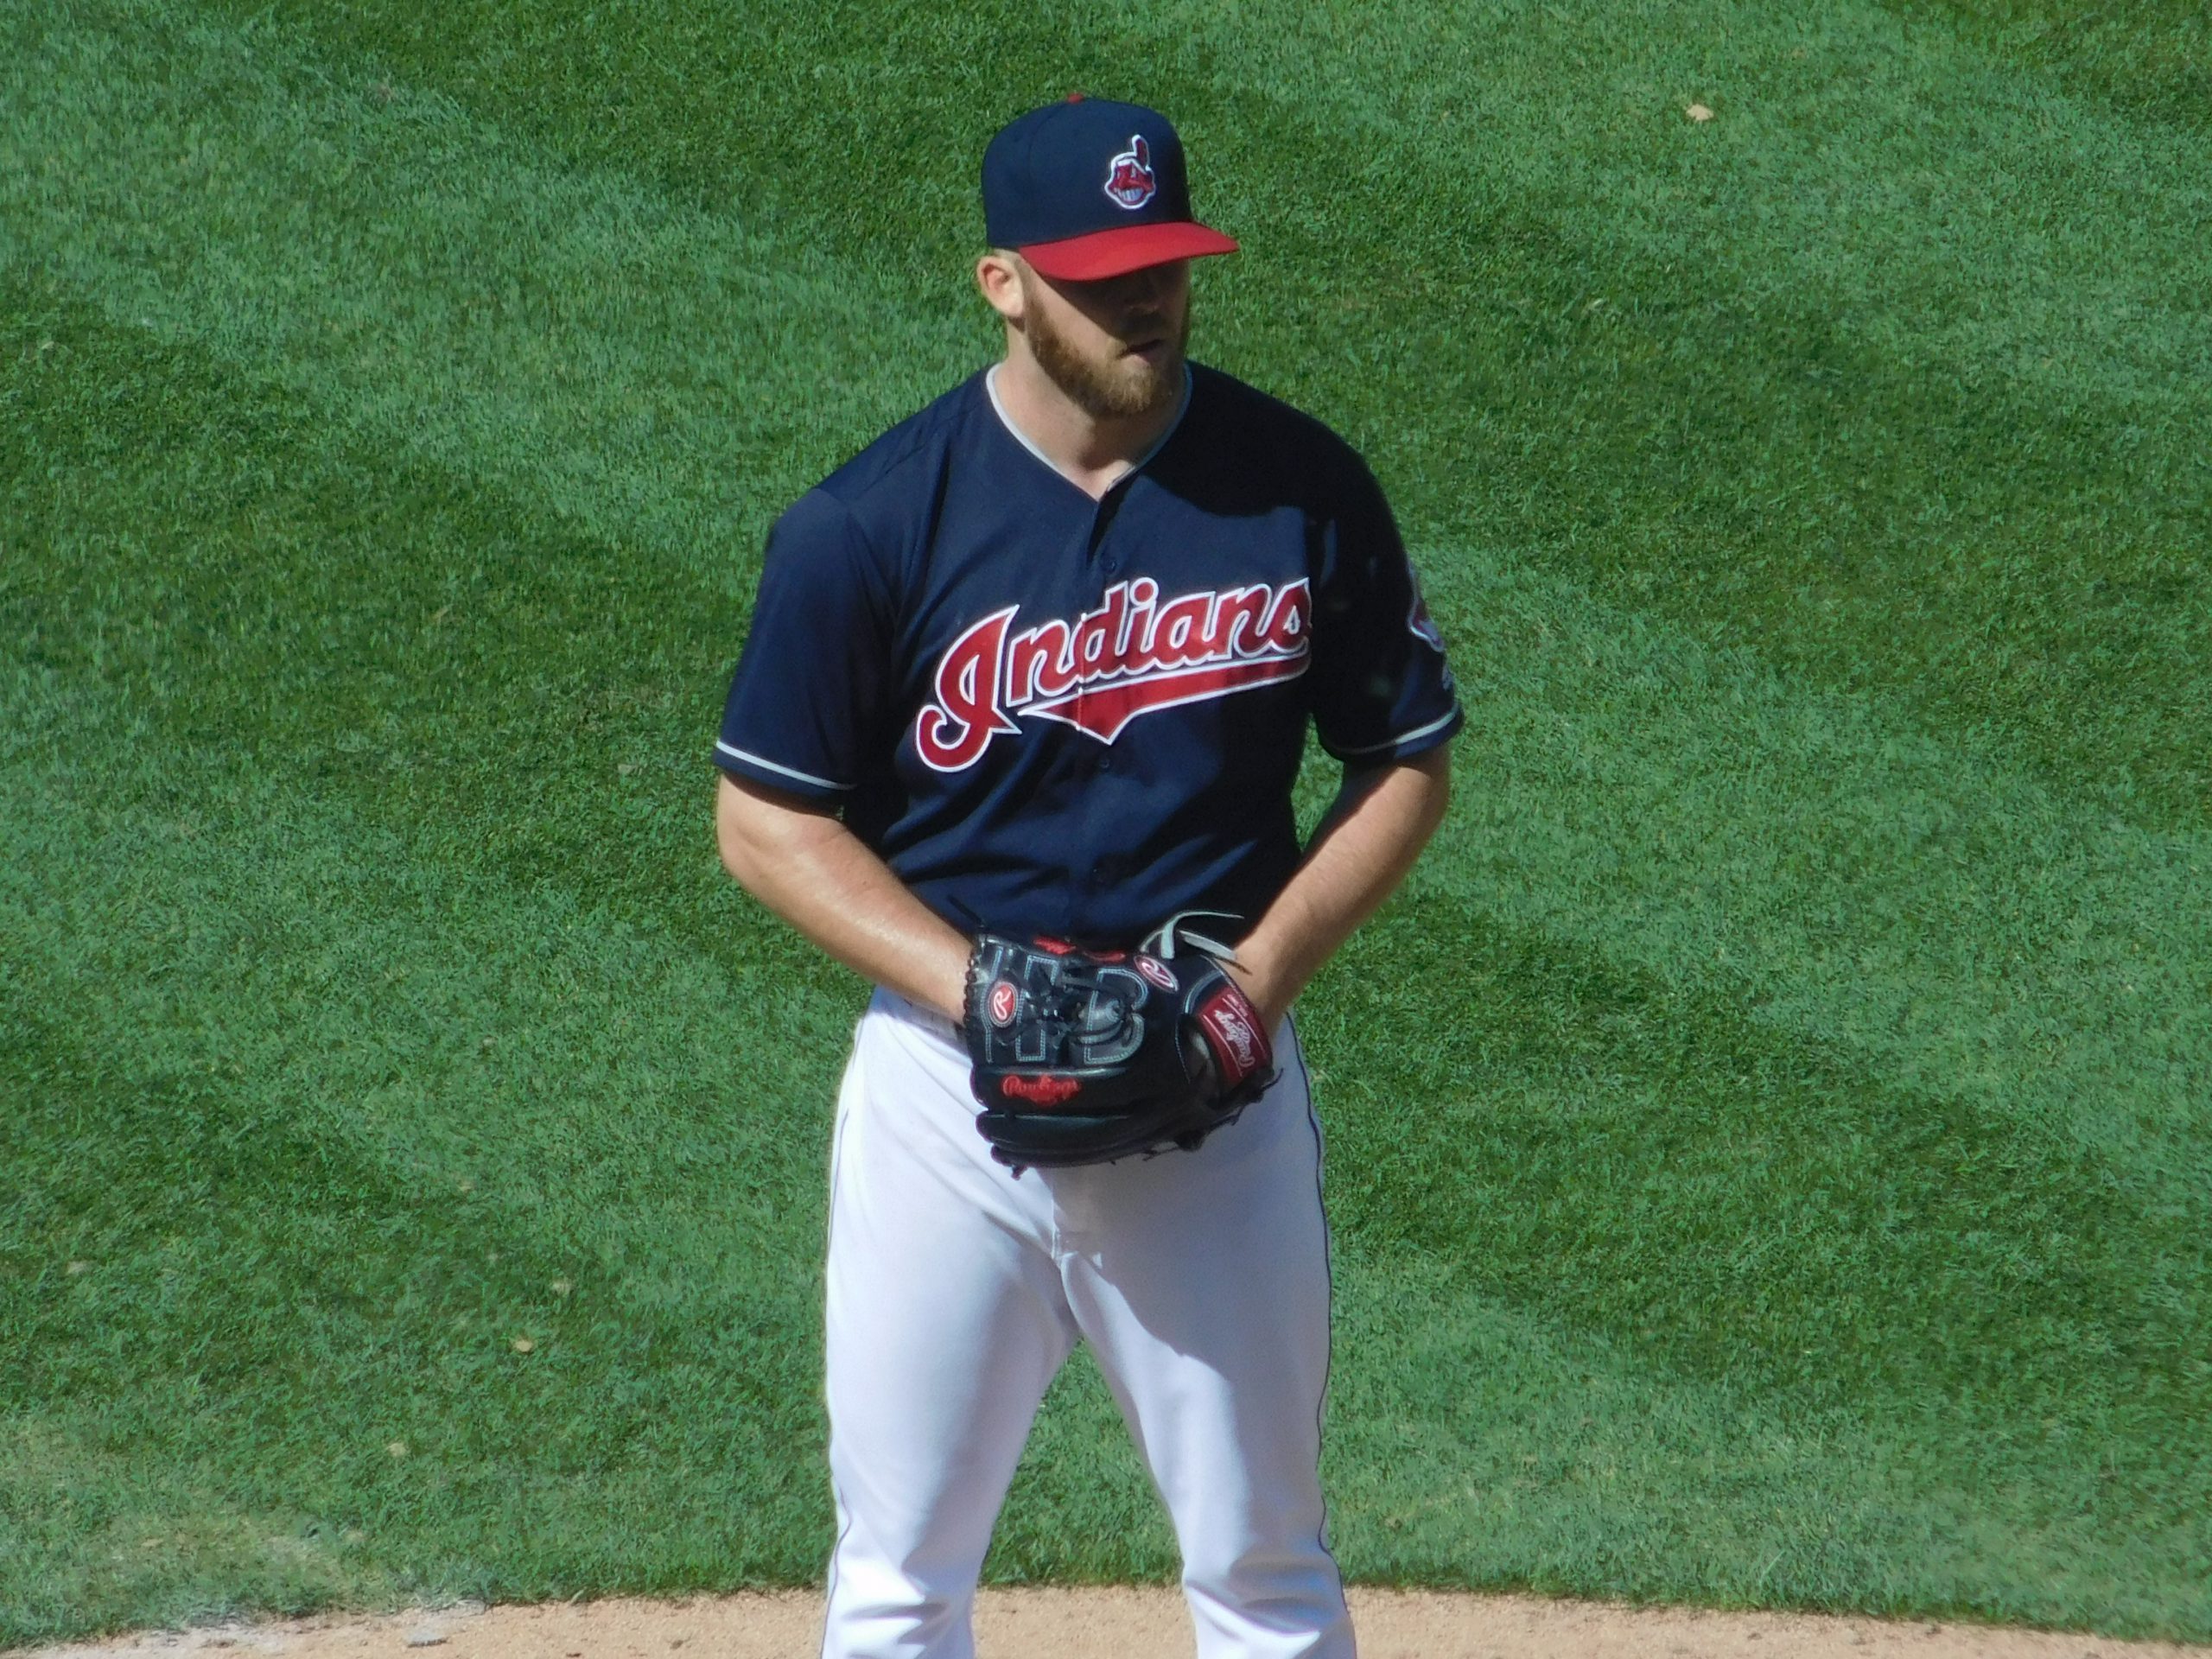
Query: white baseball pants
{"x": 1201, "y": 1281}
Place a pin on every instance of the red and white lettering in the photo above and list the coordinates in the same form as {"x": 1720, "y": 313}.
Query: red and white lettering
{"x": 1036, "y": 665}
{"x": 952, "y": 732}
{"x": 1239, "y": 624}
{"x": 1178, "y": 636}
{"x": 1132, "y": 656}
{"x": 1043, "y": 1091}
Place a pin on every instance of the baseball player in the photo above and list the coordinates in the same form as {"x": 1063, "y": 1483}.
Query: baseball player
{"x": 1014, "y": 736}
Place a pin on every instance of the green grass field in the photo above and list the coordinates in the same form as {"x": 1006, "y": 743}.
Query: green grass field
{"x": 1770, "y": 1137}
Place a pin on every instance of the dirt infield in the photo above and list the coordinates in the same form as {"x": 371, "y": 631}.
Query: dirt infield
{"x": 1116, "y": 1623}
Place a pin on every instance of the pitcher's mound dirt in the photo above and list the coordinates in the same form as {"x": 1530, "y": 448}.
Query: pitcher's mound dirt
{"x": 1114, "y": 1623}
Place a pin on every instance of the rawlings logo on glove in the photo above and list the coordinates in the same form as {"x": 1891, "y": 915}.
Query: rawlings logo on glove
{"x": 1084, "y": 1058}
{"x": 1045, "y": 1091}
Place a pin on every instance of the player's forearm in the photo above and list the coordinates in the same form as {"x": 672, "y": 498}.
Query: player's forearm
{"x": 1363, "y": 849}
{"x": 818, "y": 876}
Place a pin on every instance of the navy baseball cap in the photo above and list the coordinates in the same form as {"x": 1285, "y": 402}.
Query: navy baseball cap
{"x": 1091, "y": 188}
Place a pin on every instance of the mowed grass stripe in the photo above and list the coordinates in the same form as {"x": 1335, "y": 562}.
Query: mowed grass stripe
{"x": 677, "y": 105}
{"x": 94, "y": 1536}
{"x": 642, "y": 370}
{"x": 1875, "y": 373}
{"x": 1475, "y": 1443}
{"x": 1954, "y": 157}
{"x": 157, "y": 1257}
{"x": 1960, "y": 929}
{"x": 522, "y": 701}
{"x": 2150, "y": 59}
{"x": 340, "y": 1129}
{"x": 1652, "y": 1164}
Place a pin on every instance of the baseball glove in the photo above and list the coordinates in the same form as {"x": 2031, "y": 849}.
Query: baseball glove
{"x": 1084, "y": 1057}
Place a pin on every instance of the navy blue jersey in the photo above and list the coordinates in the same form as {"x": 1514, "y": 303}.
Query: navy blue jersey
{"x": 1052, "y": 715}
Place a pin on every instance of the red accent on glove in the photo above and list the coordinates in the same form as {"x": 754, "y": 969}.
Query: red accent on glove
{"x": 1232, "y": 1027}
{"x": 1045, "y": 1092}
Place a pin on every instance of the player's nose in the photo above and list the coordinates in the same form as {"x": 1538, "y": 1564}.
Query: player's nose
{"x": 1142, "y": 286}
{"x": 1146, "y": 294}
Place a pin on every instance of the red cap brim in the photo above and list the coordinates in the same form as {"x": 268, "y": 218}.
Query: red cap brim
{"x": 1124, "y": 248}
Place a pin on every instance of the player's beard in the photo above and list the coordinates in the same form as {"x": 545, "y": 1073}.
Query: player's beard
{"x": 1125, "y": 387}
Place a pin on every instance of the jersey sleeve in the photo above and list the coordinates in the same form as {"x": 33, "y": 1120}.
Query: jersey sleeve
{"x": 810, "y": 681}
{"x": 1381, "y": 688}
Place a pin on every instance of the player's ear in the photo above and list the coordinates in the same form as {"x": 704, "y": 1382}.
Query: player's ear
{"x": 998, "y": 275}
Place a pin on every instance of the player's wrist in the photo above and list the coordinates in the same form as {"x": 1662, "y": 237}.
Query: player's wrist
{"x": 1254, "y": 975}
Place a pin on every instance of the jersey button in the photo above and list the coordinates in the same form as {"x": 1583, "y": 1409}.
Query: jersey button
{"x": 1110, "y": 564}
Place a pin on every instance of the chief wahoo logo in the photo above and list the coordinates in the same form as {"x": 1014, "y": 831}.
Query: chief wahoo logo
{"x": 1129, "y": 182}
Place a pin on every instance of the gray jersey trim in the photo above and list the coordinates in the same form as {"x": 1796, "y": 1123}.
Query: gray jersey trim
{"x": 1404, "y": 737}
{"x": 991, "y": 385}
{"x": 770, "y": 765}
